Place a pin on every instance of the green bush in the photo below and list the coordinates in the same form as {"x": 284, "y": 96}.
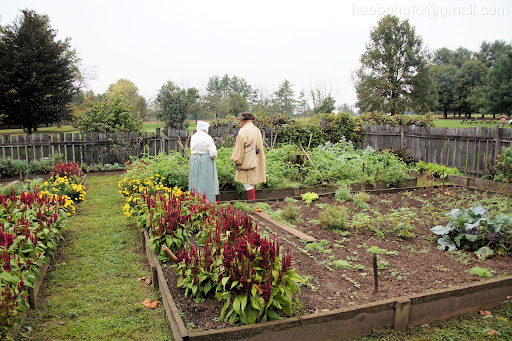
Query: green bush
{"x": 504, "y": 165}
{"x": 11, "y": 167}
{"x": 334, "y": 217}
{"x": 438, "y": 171}
{"x": 109, "y": 116}
{"x": 290, "y": 212}
{"x": 361, "y": 199}
{"x": 343, "y": 193}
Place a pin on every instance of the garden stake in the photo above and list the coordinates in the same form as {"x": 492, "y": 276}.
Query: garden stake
{"x": 169, "y": 253}
{"x": 375, "y": 274}
{"x": 310, "y": 137}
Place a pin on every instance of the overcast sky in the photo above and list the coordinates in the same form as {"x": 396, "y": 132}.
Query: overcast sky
{"x": 310, "y": 43}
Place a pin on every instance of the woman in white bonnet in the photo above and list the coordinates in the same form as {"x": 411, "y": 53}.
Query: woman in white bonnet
{"x": 202, "y": 176}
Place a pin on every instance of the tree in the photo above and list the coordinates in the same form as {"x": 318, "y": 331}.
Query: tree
{"x": 172, "y": 104}
{"x": 108, "y": 115}
{"x": 460, "y": 56}
{"x": 219, "y": 90}
{"x": 499, "y": 84}
{"x": 443, "y": 56}
{"x": 131, "y": 93}
{"x": 490, "y": 52}
{"x": 37, "y": 72}
{"x": 347, "y": 108}
{"x": 303, "y": 108}
{"x": 445, "y": 77}
{"x": 326, "y": 106}
{"x": 233, "y": 105}
{"x": 394, "y": 75}
{"x": 284, "y": 96}
{"x": 467, "y": 80}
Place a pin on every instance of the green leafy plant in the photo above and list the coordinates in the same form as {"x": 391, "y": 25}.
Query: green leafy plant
{"x": 361, "y": 199}
{"x": 343, "y": 193}
{"x": 473, "y": 229}
{"x": 438, "y": 171}
{"x": 334, "y": 217}
{"x": 480, "y": 272}
{"x": 361, "y": 221}
{"x": 309, "y": 197}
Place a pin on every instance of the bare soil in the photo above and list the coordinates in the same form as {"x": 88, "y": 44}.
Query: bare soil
{"x": 417, "y": 267}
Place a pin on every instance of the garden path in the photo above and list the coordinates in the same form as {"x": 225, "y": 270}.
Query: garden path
{"x": 91, "y": 290}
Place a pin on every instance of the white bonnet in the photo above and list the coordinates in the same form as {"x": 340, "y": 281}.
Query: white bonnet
{"x": 202, "y": 125}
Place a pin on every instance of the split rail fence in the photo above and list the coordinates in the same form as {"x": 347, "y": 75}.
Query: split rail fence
{"x": 469, "y": 149}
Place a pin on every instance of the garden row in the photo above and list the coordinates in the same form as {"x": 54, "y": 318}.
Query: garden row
{"x": 32, "y": 216}
{"x": 196, "y": 276}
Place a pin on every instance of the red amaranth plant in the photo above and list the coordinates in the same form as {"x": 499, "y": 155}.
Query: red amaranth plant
{"x": 68, "y": 169}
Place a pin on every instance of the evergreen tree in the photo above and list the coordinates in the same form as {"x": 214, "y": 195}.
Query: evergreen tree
{"x": 284, "y": 96}
{"x": 394, "y": 75}
{"x": 173, "y": 103}
{"x": 36, "y": 72}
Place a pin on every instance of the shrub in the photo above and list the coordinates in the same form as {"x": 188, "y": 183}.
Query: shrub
{"x": 108, "y": 116}
{"x": 290, "y": 212}
{"x": 504, "y": 164}
{"x": 343, "y": 193}
{"x": 334, "y": 217}
{"x": 361, "y": 199}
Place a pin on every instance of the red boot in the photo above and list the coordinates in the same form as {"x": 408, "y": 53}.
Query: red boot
{"x": 251, "y": 194}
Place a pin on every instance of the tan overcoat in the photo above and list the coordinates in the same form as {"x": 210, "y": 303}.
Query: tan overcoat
{"x": 251, "y": 166}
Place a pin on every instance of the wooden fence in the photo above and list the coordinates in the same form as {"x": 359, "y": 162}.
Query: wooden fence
{"x": 469, "y": 149}
{"x": 102, "y": 148}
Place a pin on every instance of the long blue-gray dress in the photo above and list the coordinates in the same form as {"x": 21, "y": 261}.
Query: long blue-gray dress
{"x": 202, "y": 176}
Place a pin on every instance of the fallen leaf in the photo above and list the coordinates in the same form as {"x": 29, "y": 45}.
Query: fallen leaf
{"x": 150, "y": 304}
{"x": 447, "y": 193}
{"x": 493, "y": 333}
{"x": 484, "y": 312}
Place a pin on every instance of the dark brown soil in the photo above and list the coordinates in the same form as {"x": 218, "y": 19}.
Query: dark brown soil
{"x": 418, "y": 266}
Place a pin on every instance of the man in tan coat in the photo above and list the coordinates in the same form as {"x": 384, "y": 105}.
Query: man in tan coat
{"x": 249, "y": 156}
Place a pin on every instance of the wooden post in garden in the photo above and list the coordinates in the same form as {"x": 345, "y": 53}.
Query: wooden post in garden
{"x": 375, "y": 274}
{"x": 498, "y": 132}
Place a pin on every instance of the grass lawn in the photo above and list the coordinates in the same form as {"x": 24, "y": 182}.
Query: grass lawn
{"x": 92, "y": 291}
{"x": 456, "y": 123}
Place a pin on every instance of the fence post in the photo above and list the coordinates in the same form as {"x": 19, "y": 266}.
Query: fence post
{"x": 402, "y": 136}
{"x": 498, "y": 132}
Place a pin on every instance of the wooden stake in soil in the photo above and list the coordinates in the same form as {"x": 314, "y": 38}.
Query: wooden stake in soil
{"x": 169, "y": 253}
{"x": 375, "y": 274}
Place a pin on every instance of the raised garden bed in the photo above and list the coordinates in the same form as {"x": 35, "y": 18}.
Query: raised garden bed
{"x": 281, "y": 193}
{"x": 417, "y": 282}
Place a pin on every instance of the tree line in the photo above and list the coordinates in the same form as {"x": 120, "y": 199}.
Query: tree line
{"x": 41, "y": 83}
